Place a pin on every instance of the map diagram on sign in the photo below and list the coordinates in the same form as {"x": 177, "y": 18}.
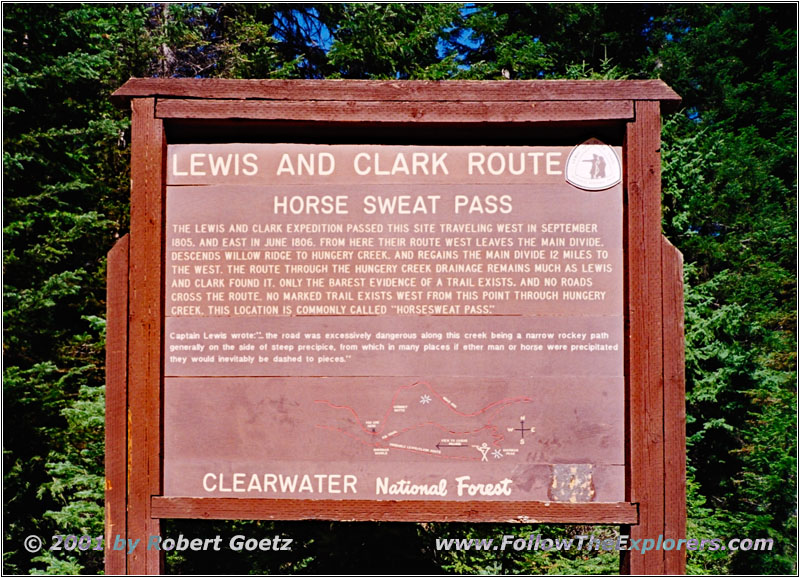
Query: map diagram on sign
{"x": 421, "y": 420}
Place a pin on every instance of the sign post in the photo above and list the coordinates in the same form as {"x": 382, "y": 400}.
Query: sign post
{"x": 407, "y": 301}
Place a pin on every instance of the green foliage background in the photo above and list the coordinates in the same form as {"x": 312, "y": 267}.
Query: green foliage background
{"x": 729, "y": 182}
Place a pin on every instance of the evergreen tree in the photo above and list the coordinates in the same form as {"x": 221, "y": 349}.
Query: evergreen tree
{"x": 65, "y": 200}
{"x": 730, "y": 183}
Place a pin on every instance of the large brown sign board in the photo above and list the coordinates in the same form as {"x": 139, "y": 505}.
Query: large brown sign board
{"x": 424, "y": 322}
{"x": 416, "y": 331}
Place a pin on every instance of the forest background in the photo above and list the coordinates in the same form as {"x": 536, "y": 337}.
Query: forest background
{"x": 729, "y": 204}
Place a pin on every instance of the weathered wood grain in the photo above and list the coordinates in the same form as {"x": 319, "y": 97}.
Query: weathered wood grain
{"x": 396, "y": 511}
{"x": 145, "y": 330}
{"x": 116, "y": 403}
{"x": 406, "y": 112}
{"x": 406, "y": 91}
{"x": 674, "y": 407}
{"x": 645, "y": 458}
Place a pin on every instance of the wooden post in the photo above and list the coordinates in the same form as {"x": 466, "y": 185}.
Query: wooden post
{"x": 644, "y": 367}
{"x": 116, "y": 404}
{"x": 144, "y": 355}
{"x": 674, "y": 407}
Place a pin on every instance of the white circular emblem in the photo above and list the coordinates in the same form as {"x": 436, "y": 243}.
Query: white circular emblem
{"x": 593, "y": 166}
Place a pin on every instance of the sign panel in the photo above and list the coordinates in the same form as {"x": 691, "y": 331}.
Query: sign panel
{"x": 394, "y": 322}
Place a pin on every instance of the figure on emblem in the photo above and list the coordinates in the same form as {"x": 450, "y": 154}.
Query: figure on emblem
{"x": 598, "y": 170}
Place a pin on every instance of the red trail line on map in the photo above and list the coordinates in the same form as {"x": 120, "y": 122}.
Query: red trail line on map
{"x": 502, "y": 403}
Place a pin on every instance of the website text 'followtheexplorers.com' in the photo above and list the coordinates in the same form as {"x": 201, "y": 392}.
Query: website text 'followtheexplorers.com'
{"x": 535, "y": 542}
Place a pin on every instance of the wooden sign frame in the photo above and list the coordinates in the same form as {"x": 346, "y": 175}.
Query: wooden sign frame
{"x": 189, "y": 110}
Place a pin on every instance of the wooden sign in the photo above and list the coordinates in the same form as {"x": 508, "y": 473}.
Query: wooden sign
{"x": 421, "y": 322}
{"x": 474, "y": 318}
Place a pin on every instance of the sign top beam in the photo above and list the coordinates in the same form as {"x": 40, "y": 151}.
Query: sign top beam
{"x": 403, "y": 90}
